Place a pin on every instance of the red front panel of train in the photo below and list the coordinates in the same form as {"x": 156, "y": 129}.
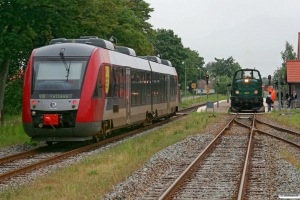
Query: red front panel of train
{"x": 91, "y": 109}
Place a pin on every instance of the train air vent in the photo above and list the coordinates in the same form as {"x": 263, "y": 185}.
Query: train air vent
{"x": 166, "y": 62}
{"x": 91, "y": 40}
{"x": 87, "y": 37}
{"x": 126, "y": 50}
{"x": 152, "y": 58}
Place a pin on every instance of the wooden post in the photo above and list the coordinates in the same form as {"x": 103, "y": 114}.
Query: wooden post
{"x": 2, "y": 117}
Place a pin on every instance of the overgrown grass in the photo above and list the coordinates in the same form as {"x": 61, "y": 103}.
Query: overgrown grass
{"x": 290, "y": 118}
{"x": 11, "y": 132}
{"x": 96, "y": 175}
{"x": 288, "y": 156}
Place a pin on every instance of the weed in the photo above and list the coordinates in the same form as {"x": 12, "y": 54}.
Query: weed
{"x": 48, "y": 188}
{"x": 93, "y": 172}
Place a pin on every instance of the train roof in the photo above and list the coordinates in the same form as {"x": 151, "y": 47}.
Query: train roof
{"x": 69, "y": 50}
{"x": 248, "y": 69}
{"x": 140, "y": 63}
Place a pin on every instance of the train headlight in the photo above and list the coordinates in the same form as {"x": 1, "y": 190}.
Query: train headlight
{"x": 255, "y": 92}
{"x": 33, "y": 113}
{"x": 237, "y": 92}
{"x": 246, "y": 80}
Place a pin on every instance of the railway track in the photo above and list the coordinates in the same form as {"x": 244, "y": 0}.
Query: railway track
{"x": 17, "y": 164}
{"x": 216, "y": 172}
{"x": 233, "y": 160}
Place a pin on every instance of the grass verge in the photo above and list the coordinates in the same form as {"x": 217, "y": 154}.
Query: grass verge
{"x": 96, "y": 175}
{"x": 290, "y": 158}
{"x": 189, "y": 102}
{"x": 11, "y": 132}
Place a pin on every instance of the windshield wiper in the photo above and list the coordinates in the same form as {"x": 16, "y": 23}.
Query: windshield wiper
{"x": 64, "y": 61}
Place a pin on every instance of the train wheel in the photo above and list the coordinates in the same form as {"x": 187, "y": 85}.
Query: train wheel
{"x": 96, "y": 138}
{"x": 145, "y": 123}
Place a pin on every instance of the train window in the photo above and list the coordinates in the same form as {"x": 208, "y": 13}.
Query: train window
{"x": 121, "y": 75}
{"x": 238, "y": 75}
{"x": 256, "y": 75}
{"x": 98, "y": 86}
{"x": 115, "y": 74}
{"x": 148, "y": 79}
{"x": 143, "y": 88}
{"x": 133, "y": 88}
{"x": 247, "y": 74}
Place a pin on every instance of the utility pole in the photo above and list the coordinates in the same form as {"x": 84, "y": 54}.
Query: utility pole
{"x": 184, "y": 80}
{"x": 279, "y": 94}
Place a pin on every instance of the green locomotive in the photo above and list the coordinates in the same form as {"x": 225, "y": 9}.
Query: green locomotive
{"x": 246, "y": 91}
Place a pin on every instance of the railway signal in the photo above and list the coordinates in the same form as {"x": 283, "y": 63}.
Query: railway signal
{"x": 207, "y": 77}
{"x": 269, "y": 77}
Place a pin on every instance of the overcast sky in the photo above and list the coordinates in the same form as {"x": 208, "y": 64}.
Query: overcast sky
{"x": 253, "y": 32}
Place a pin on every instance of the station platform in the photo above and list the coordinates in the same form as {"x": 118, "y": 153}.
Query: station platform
{"x": 223, "y": 107}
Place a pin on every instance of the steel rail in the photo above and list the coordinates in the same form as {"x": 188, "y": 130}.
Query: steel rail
{"x": 192, "y": 167}
{"x": 280, "y": 138}
{"x": 247, "y": 162}
{"x": 22, "y": 155}
{"x": 70, "y": 153}
{"x": 280, "y": 128}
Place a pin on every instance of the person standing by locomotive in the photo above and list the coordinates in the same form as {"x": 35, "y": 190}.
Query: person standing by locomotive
{"x": 294, "y": 99}
{"x": 269, "y": 101}
{"x": 273, "y": 96}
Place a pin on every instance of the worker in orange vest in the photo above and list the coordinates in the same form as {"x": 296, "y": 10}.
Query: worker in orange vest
{"x": 273, "y": 94}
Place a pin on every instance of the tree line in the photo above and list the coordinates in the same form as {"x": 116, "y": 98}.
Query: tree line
{"x": 26, "y": 25}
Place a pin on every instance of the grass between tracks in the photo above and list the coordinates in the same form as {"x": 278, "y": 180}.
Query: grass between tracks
{"x": 96, "y": 175}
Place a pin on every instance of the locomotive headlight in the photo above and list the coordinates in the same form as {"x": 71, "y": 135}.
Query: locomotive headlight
{"x": 255, "y": 92}
{"x": 237, "y": 92}
{"x": 246, "y": 80}
{"x": 33, "y": 113}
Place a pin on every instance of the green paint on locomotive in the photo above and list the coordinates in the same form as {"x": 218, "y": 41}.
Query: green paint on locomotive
{"x": 246, "y": 91}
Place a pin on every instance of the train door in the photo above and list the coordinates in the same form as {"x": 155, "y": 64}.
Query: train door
{"x": 128, "y": 95}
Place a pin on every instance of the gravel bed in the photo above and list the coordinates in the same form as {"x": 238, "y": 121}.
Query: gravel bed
{"x": 162, "y": 163}
{"x": 18, "y": 181}
{"x": 280, "y": 177}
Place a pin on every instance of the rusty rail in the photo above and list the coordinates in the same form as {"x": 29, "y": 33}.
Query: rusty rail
{"x": 193, "y": 166}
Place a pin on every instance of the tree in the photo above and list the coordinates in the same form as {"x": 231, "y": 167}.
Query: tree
{"x": 222, "y": 87}
{"x": 186, "y": 61}
{"x": 37, "y": 22}
{"x": 223, "y": 67}
{"x": 287, "y": 54}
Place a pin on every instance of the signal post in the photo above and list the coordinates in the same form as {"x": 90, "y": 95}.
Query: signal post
{"x": 207, "y": 88}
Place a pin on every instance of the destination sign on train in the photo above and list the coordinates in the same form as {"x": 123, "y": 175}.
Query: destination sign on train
{"x": 55, "y": 96}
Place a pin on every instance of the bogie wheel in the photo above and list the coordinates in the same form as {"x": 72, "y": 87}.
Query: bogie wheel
{"x": 96, "y": 138}
{"x": 145, "y": 123}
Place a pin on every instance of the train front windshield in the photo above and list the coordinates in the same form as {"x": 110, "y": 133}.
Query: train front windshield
{"x": 247, "y": 75}
{"x": 52, "y": 78}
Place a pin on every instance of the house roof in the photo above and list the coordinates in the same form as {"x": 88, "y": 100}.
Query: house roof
{"x": 293, "y": 71}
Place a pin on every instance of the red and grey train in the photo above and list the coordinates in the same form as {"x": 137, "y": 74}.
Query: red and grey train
{"x": 82, "y": 89}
